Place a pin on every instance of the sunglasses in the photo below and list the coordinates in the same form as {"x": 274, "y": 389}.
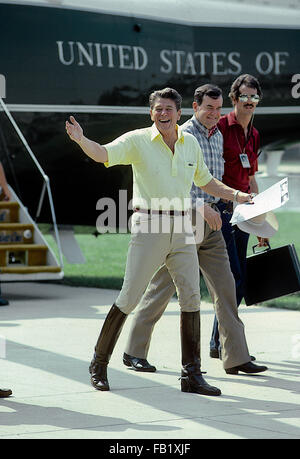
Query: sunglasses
{"x": 254, "y": 98}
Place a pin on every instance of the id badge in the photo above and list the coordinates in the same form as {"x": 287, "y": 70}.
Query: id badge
{"x": 244, "y": 160}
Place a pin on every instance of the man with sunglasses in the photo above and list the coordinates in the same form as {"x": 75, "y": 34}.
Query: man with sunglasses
{"x": 241, "y": 146}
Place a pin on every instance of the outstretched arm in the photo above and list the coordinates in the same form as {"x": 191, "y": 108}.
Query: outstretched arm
{"x": 92, "y": 149}
{"x": 219, "y": 189}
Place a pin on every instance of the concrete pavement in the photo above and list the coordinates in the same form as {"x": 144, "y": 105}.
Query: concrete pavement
{"x": 47, "y": 337}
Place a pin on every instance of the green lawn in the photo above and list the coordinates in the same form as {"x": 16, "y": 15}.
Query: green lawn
{"x": 106, "y": 257}
{"x": 105, "y": 260}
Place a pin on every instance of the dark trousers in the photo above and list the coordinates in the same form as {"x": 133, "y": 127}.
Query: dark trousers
{"x": 236, "y": 243}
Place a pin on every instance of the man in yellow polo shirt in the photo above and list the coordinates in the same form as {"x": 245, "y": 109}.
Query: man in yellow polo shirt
{"x": 165, "y": 162}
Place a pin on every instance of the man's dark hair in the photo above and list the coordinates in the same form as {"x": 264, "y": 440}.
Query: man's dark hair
{"x": 247, "y": 80}
{"x": 207, "y": 90}
{"x": 166, "y": 93}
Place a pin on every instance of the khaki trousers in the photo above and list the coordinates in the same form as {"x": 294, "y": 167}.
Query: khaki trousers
{"x": 215, "y": 267}
{"x": 157, "y": 240}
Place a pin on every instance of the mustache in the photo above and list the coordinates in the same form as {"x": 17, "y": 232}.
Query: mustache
{"x": 249, "y": 105}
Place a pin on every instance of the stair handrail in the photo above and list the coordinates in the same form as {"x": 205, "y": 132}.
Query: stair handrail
{"x": 46, "y": 179}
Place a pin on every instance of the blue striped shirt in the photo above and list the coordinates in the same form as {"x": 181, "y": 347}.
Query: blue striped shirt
{"x": 212, "y": 148}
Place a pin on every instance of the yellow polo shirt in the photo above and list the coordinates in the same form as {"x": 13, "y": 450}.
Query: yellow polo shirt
{"x": 161, "y": 180}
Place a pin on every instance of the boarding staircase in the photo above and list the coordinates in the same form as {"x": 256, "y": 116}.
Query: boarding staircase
{"x": 24, "y": 252}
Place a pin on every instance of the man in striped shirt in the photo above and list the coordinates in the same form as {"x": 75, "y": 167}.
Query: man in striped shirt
{"x": 212, "y": 256}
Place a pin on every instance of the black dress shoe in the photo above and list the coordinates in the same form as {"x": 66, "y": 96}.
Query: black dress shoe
{"x": 192, "y": 381}
{"x": 98, "y": 374}
{"x": 5, "y": 393}
{"x": 215, "y": 353}
{"x": 138, "y": 364}
{"x": 248, "y": 367}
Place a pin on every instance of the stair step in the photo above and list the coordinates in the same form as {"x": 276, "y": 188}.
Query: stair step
{"x": 9, "y": 211}
{"x": 16, "y": 233}
{"x": 23, "y": 254}
{"x": 14, "y": 269}
{"x": 7, "y": 204}
{"x": 23, "y": 247}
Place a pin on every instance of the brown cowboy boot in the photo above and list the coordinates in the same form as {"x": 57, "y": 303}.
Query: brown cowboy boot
{"x": 191, "y": 375}
{"x": 108, "y": 337}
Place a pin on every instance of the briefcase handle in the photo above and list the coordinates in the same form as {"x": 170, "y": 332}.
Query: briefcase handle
{"x": 265, "y": 250}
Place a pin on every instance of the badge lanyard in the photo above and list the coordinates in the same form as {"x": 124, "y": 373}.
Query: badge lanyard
{"x": 243, "y": 155}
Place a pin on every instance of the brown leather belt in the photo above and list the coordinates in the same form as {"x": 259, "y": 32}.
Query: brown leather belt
{"x": 161, "y": 212}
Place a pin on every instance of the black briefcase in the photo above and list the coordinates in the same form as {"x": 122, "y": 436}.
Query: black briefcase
{"x": 271, "y": 274}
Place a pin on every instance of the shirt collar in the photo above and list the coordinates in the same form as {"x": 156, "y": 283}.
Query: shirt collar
{"x": 207, "y": 132}
{"x": 155, "y": 133}
{"x": 232, "y": 121}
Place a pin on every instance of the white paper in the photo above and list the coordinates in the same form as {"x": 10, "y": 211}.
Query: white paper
{"x": 272, "y": 198}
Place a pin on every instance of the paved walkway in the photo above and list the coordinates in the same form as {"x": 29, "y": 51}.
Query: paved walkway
{"x": 47, "y": 336}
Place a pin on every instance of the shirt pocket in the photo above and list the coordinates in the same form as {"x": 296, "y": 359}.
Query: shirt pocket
{"x": 189, "y": 172}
